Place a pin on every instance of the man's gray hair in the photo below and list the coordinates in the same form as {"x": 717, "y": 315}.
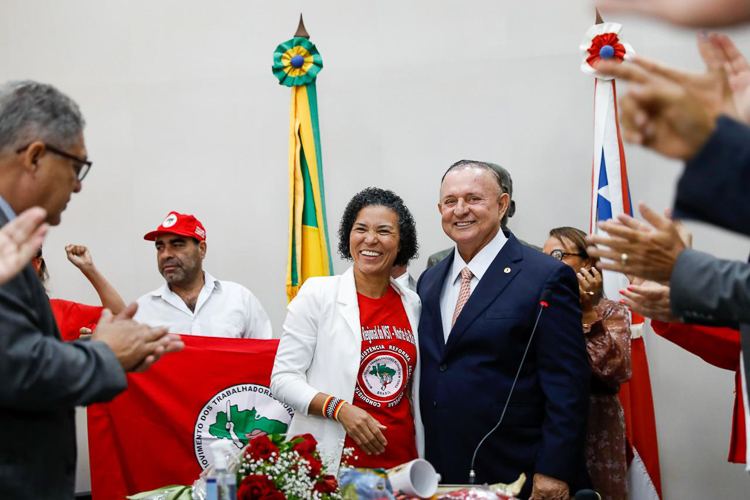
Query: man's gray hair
{"x": 463, "y": 164}
{"x": 32, "y": 111}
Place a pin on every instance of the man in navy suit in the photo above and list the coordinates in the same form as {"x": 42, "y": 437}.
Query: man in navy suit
{"x": 479, "y": 307}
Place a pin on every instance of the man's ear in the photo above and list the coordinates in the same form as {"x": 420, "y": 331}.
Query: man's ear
{"x": 31, "y": 155}
{"x": 504, "y": 204}
{"x": 440, "y": 208}
{"x": 202, "y": 248}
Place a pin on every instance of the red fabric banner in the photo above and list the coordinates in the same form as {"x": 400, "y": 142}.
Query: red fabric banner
{"x": 158, "y": 431}
{"x": 640, "y": 423}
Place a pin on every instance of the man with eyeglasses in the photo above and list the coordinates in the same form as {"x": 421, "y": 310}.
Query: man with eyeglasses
{"x": 42, "y": 163}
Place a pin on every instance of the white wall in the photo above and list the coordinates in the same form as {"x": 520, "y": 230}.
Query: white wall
{"x": 184, "y": 114}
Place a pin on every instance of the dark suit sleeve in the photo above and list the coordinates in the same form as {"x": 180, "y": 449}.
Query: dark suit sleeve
{"x": 564, "y": 375}
{"x": 38, "y": 370}
{"x": 710, "y": 291}
{"x": 715, "y": 184}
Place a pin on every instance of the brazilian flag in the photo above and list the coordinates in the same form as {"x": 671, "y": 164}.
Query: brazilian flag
{"x": 296, "y": 64}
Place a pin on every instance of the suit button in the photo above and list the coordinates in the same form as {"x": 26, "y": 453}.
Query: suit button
{"x": 443, "y": 367}
{"x": 434, "y": 403}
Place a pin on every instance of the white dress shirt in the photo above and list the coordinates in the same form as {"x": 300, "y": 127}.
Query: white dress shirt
{"x": 478, "y": 266}
{"x": 223, "y": 309}
{"x": 406, "y": 281}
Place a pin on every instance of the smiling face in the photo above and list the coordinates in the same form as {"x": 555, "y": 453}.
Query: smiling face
{"x": 180, "y": 259}
{"x": 374, "y": 241}
{"x": 471, "y": 208}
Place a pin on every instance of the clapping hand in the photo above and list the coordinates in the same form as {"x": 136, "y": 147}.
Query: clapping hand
{"x": 20, "y": 239}
{"x": 737, "y": 70}
{"x": 637, "y": 248}
{"x": 697, "y": 13}
{"x": 649, "y": 299}
{"x": 672, "y": 111}
{"x": 137, "y": 346}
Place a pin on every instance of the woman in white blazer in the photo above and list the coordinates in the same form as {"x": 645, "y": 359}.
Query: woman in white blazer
{"x": 348, "y": 356}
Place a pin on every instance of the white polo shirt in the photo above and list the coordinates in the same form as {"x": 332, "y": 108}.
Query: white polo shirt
{"x": 223, "y": 309}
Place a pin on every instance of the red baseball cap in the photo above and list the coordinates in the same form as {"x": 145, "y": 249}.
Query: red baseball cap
{"x": 181, "y": 224}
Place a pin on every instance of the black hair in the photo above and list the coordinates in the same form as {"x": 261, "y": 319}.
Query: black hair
{"x": 372, "y": 196}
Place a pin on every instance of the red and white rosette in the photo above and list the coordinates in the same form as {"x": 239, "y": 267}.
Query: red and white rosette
{"x": 603, "y": 42}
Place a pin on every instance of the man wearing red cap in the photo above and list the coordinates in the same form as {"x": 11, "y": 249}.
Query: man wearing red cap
{"x": 192, "y": 301}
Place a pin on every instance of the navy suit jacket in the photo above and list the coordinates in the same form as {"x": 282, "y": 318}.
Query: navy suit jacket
{"x": 715, "y": 185}
{"x": 715, "y": 188}
{"x": 465, "y": 383}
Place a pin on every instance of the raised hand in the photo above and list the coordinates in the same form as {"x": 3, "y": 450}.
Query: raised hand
{"x": 79, "y": 256}
{"x": 738, "y": 74}
{"x": 20, "y": 239}
{"x": 590, "y": 288}
{"x": 697, "y": 13}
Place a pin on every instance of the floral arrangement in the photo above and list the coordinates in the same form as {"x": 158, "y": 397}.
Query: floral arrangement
{"x": 271, "y": 468}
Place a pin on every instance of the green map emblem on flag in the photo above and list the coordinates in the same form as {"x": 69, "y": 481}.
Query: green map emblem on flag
{"x": 238, "y": 414}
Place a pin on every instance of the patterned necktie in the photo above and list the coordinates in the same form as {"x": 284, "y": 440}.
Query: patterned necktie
{"x": 463, "y": 294}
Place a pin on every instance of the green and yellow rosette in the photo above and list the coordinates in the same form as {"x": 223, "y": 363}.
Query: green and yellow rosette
{"x": 296, "y": 62}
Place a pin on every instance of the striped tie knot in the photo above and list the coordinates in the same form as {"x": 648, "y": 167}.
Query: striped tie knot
{"x": 463, "y": 294}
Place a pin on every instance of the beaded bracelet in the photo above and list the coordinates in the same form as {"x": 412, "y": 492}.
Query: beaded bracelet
{"x": 332, "y": 406}
{"x": 325, "y": 405}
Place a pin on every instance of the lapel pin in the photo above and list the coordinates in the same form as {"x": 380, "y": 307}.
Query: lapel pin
{"x": 506, "y": 270}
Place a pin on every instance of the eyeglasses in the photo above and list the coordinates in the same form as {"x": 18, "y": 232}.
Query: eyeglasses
{"x": 560, "y": 255}
{"x": 82, "y": 165}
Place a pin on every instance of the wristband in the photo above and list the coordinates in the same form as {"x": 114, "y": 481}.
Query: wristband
{"x": 325, "y": 405}
{"x": 337, "y": 409}
{"x": 332, "y": 407}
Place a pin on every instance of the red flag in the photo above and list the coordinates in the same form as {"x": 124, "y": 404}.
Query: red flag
{"x": 158, "y": 431}
{"x": 644, "y": 474}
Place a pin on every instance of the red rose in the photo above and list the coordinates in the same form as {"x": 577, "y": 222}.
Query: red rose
{"x": 261, "y": 448}
{"x": 258, "y": 488}
{"x": 314, "y": 464}
{"x": 326, "y": 484}
{"x": 307, "y": 445}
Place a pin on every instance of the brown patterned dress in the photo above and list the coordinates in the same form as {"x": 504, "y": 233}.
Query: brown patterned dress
{"x": 608, "y": 346}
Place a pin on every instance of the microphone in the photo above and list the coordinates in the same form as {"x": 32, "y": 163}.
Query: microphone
{"x": 543, "y": 304}
{"x": 587, "y": 495}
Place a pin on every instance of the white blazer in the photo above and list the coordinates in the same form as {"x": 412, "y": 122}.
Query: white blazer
{"x": 319, "y": 351}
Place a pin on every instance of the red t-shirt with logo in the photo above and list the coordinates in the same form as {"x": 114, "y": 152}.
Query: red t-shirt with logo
{"x": 72, "y": 316}
{"x": 386, "y": 368}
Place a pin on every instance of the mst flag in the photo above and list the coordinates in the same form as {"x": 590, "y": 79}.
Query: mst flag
{"x": 296, "y": 64}
{"x": 158, "y": 431}
{"x": 610, "y": 196}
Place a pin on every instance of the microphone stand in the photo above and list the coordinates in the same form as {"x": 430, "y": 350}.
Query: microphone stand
{"x": 543, "y": 302}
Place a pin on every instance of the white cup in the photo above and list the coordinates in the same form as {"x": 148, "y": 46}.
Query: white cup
{"x": 416, "y": 478}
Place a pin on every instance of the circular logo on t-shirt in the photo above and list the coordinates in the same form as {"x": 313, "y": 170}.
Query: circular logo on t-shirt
{"x": 170, "y": 221}
{"x": 382, "y": 375}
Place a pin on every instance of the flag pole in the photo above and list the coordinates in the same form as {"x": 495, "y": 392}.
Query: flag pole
{"x": 297, "y": 63}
